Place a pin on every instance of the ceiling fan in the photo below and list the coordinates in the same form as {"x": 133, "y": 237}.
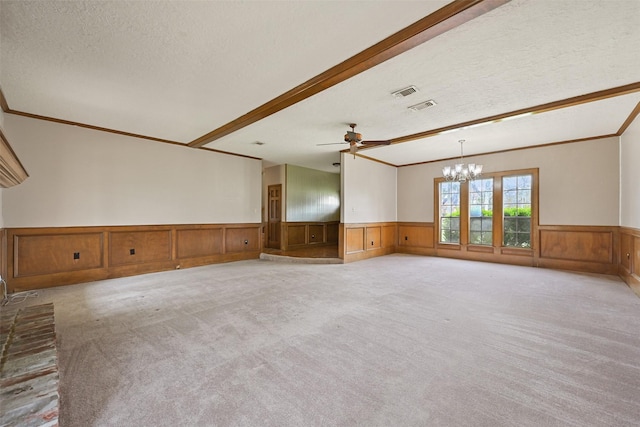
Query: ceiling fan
{"x": 355, "y": 141}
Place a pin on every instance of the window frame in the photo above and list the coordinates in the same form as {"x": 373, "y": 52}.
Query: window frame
{"x": 497, "y": 246}
{"x": 439, "y": 218}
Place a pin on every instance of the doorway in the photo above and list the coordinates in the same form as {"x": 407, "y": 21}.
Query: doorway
{"x": 274, "y": 216}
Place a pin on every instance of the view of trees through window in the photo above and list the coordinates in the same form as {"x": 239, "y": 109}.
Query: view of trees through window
{"x": 507, "y": 194}
{"x": 449, "y": 212}
{"x": 516, "y": 210}
{"x": 481, "y": 212}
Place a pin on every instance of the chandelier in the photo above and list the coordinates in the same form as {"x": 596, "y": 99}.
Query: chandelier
{"x": 461, "y": 172}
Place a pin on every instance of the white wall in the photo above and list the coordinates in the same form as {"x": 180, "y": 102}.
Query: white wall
{"x": 82, "y": 177}
{"x": 579, "y": 182}
{"x": 368, "y": 191}
{"x": 630, "y": 176}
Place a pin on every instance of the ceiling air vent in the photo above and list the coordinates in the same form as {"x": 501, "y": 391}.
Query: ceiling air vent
{"x": 423, "y": 105}
{"x": 405, "y": 92}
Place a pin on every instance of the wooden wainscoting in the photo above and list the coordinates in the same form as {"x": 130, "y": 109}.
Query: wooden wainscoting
{"x": 42, "y": 257}
{"x": 584, "y": 248}
{"x": 362, "y": 241}
{"x": 629, "y": 267}
{"x": 3, "y": 253}
{"x": 298, "y": 235}
{"x": 416, "y": 238}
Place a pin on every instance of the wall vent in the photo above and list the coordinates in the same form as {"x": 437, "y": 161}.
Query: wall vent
{"x": 423, "y": 105}
{"x": 405, "y": 92}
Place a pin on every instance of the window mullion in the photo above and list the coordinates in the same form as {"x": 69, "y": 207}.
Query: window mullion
{"x": 464, "y": 213}
{"x": 497, "y": 211}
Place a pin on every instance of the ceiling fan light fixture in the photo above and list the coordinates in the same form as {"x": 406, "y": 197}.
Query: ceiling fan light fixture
{"x": 352, "y": 136}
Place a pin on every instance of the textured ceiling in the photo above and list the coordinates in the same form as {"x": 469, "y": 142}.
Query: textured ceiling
{"x": 177, "y": 70}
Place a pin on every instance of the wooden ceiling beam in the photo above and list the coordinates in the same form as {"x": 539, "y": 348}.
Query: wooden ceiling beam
{"x": 555, "y": 105}
{"x": 629, "y": 120}
{"x": 450, "y": 16}
{"x": 3, "y": 102}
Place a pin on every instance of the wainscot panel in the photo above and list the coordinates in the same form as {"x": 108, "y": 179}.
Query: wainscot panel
{"x": 389, "y": 236}
{"x": 301, "y": 234}
{"x": 138, "y": 247}
{"x": 416, "y": 238}
{"x": 42, "y": 257}
{"x": 242, "y": 239}
{"x": 316, "y": 233}
{"x": 583, "y": 248}
{"x": 629, "y": 266}
{"x": 3, "y": 253}
{"x": 296, "y": 234}
{"x": 49, "y": 253}
{"x": 373, "y": 237}
{"x": 355, "y": 239}
{"x": 194, "y": 243}
{"x": 332, "y": 232}
{"x": 626, "y": 250}
{"x": 364, "y": 241}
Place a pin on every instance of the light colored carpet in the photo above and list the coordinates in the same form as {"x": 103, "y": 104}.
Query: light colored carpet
{"x": 394, "y": 341}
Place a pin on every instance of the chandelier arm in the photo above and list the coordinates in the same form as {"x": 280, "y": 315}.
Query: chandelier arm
{"x": 461, "y": 172}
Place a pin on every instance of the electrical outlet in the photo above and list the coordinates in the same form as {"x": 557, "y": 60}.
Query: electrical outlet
{"x": 76, "y": 255}
{"x": 132, "y": 251}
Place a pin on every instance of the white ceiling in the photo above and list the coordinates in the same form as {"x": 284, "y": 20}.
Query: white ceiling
{"x": 178, "y": 70}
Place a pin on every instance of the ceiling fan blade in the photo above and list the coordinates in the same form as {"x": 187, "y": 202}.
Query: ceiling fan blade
{"x": 333, "y": 143}
{"x": 376, "y": 142}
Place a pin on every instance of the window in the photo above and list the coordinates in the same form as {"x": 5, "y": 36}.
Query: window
{"x": 449, "y": 193}
{"x": 481, "y": 212}
{"x": 516, "y": 211}
{"x": 496, "y": 213}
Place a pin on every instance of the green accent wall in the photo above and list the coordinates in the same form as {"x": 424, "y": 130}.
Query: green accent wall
{"x": 312, "y": 195}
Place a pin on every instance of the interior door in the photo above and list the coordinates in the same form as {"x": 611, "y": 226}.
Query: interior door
{"x": 275, "y": 216}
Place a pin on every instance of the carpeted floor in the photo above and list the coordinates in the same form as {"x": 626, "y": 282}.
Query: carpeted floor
{"x": 393, "y": 341}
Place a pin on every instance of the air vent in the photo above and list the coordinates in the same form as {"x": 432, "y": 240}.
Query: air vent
{"x": 423, "y": 105}
{"x": 405, "y": 92}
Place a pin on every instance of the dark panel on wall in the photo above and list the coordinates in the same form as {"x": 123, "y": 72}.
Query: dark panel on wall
{"x": 3, "y": 253}
{"x": 316, "y": 233}
{"x": 332, "y": 232}
{"x": 296, "y": 234}
{"x": 199, "y": 242}
{"x": 629, "y": 264}
{"x": 592, "y": 246}
{"x": 626, "y": 251}
{"x": 242, "y": 239}
{"x": 49, "y": 254}
{"x": 635, "y": 268}
{"x": 134, "y": 247}
{"x": 355, "y": 239}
